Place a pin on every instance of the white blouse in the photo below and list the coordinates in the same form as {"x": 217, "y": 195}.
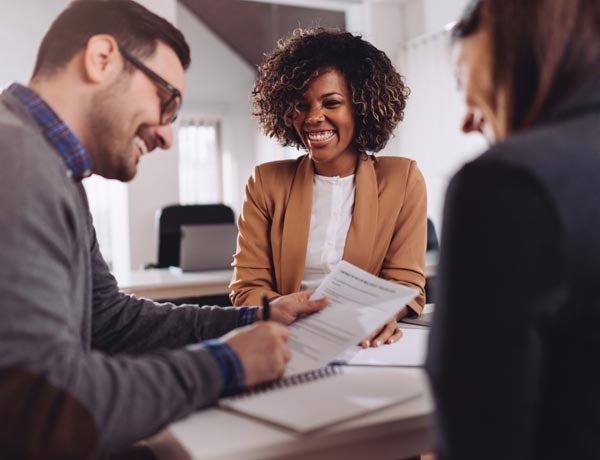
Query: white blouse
{"x": 330, "y": 218}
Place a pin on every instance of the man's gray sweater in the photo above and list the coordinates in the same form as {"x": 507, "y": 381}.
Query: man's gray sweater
{"x": 127, "y": 362}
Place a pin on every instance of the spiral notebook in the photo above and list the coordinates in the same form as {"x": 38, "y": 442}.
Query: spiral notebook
{"x": 310, "y": 401}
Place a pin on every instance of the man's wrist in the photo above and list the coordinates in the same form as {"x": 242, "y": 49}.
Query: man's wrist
{"x": 247, "y": 315}
{"x": 232, "y": 371}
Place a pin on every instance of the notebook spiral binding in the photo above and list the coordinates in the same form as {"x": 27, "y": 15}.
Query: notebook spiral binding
{"x": 297, "y": 379}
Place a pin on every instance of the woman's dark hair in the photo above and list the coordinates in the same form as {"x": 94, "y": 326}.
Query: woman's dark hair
{"x": 134, "y": 27}
{"x": 469, "y": 22}
{"x": 378, "y": 91}
{"x": 542, "y": 50}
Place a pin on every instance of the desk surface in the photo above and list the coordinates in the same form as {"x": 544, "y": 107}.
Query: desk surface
{"x": 397, "y": 432}
{"x": 167, "y": 283}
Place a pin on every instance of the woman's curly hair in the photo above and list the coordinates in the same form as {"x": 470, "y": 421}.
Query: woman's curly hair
{"x": 378, "y": 91}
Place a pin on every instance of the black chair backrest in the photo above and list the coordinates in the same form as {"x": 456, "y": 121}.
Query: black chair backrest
{"x": 432, "y": 239}
{"x": 170, "y": 220}
{"x": 433, "y": 244}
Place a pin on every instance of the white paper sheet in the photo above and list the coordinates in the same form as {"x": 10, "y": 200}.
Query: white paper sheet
{"x": 410, "y": 350}
{"x": 359, "y": 303}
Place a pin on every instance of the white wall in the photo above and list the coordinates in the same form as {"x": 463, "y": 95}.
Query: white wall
{"x": 431, "y": 132}
{"x": 439, "y": 13}
{"x": 219, "y": 83}
{"x": 411, "y": 32}
{"x": 387, "y": 24}
{"x": 156, "y": 184}
{"x": 22, "y": 27}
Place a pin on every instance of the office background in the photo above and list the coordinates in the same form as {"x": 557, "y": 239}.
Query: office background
{"x": 217, "y": 110}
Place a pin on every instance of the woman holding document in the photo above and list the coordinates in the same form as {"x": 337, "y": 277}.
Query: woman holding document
{"x": 514, "y": 345}
{"x": 339, "y": 98}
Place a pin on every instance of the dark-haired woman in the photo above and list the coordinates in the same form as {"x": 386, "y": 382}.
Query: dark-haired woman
{"x": 339, "y": 98}
{"x": 515, "y": 343}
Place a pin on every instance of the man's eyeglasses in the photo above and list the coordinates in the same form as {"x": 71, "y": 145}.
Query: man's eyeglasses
{"x": 169, "y": 108}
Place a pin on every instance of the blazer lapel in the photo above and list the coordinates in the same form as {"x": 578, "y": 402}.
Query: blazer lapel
{"x": 296, "y": 226}
{"x": 361, "y": 235}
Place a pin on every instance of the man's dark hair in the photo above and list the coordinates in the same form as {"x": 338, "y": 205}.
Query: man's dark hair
{"x": 542, "y": 50}
{"x": 378, "y": 91}
{"x": 134, "y": 28}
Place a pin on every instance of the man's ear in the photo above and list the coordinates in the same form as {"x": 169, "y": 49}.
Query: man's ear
{"x": 101, "y": 59}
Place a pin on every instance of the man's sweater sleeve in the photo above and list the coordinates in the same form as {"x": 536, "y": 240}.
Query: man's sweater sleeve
{"x": 125, "y": 323}
{"x": 45, "y": 284}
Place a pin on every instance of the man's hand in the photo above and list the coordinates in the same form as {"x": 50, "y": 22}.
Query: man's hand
{"x": 262, "y": 349}
{"x": 288, "y": 308}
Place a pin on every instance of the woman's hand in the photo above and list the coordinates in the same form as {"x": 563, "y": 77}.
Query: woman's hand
{"x": 389, "y": 333}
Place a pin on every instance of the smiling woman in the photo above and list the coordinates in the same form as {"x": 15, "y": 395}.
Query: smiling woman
{"x": 339, "y": 98}
{"x": 324, "y": 121}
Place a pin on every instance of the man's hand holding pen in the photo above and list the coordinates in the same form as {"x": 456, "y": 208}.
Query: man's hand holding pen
{"x": 263, "y": 347}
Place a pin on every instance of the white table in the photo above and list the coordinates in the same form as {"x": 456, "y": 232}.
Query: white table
{"x": 168, "y": 283}
{"x": 394, "y": 433}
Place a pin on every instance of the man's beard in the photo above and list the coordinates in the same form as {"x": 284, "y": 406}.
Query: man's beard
{"x": 113, "y": 153}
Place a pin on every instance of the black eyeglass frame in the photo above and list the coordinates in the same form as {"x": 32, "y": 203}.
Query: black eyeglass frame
{"x": 166, "y": 118}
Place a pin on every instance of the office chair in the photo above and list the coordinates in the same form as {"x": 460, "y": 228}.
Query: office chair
{"x": 433, "y": 244}
{"x": 171, "y": 218}
{"x": 169, "y": 221}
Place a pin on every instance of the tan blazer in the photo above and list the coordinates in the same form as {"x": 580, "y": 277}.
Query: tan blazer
{"x": 387, "y": 236}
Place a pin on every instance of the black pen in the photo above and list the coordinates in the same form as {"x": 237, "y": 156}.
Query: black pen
{"x": 266, "y": 313}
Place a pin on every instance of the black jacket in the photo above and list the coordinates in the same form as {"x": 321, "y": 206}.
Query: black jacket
{"x": 514, "y": 355}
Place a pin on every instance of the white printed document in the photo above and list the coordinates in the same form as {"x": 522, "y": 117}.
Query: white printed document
{"x": 410, "y": 350}
{"x": 359, "y": 304}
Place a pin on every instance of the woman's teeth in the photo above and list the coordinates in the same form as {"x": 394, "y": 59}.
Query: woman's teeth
{"x": 319, "y": 136}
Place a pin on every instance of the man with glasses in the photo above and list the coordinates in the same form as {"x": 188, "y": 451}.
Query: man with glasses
{"x": 170, "y": 107}
{"x": 86, "y": 371}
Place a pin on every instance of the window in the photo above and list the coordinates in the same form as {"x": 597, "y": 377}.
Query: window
{"x": 200, "y": 162}
{"x": 109, "y": 209}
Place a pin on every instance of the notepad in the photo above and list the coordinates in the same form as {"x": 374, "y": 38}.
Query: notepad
{"x": 308, "y": 402}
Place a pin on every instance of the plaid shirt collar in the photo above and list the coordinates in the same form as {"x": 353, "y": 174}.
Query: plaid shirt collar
{"x": 56, "y": 132}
